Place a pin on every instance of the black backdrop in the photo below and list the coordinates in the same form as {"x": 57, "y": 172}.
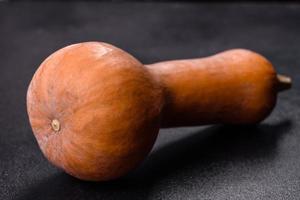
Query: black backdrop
{"x": 217, "y": 162}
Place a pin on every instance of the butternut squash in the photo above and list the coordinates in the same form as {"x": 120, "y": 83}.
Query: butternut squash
{"x": 96, "y": 111}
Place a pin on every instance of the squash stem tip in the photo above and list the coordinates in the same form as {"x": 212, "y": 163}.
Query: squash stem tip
{"x": 284, "y": 82}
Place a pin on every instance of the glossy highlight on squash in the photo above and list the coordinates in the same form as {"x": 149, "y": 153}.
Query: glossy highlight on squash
{"x": 96, "y": 111}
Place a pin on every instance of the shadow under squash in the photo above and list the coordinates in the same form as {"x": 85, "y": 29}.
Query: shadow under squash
{"x": 216, "y": 145}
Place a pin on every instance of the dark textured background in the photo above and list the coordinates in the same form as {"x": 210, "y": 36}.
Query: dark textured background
{"x": 217, "y": 162}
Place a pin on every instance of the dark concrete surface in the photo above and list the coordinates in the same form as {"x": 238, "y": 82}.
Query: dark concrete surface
{"x": 212, "y": 162}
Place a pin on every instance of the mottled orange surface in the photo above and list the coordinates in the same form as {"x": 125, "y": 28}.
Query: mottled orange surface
{"x": 236, "y": 86}
{"x": 95, "y": 110}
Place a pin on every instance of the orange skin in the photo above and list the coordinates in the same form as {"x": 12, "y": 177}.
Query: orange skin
{"x": 236, "y": 86}
{"x": 96, "y": 111}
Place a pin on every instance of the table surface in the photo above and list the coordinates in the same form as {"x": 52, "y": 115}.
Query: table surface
{"x": 211, "y": 162}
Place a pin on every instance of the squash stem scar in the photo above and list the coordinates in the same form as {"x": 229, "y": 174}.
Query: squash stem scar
{"x": 55, "y": 124}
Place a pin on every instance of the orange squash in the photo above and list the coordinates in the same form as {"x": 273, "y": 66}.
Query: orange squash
{"x": 96, "y": 111}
